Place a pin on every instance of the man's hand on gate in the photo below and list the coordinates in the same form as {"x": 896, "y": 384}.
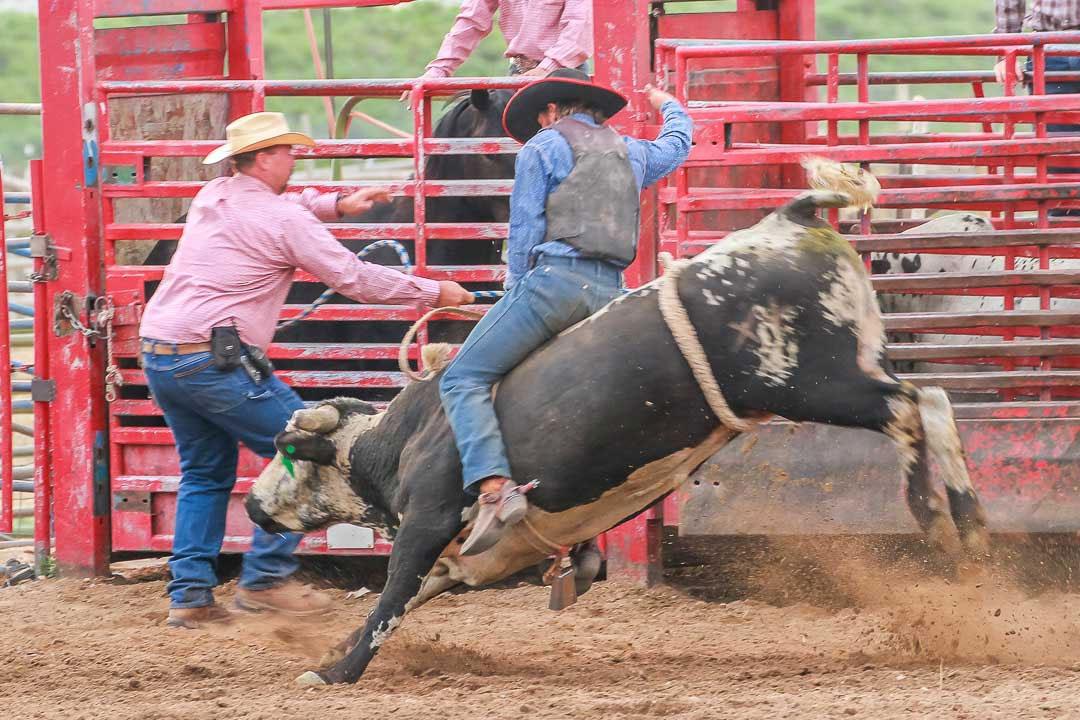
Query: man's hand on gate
{"x": 362, "y": 200}
{"x": 656, "y": 96}
{"x": 453, "y": 295}
{"x": 999, "y": 70}
{"x": 537, "y": 72}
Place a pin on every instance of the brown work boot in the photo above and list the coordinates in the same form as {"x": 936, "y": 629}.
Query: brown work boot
{"x": 498, "y": 510}
{"x": 288, "y": 598}
{"x": 194, "y": 618}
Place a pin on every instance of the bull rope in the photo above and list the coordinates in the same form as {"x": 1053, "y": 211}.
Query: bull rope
{"x": 403, "y": 349}
{"x": 406, "y": 266}
{"x": 682, "y": 329}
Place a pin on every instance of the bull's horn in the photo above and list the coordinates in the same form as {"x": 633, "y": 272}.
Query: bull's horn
{"x": 319, "y": 419}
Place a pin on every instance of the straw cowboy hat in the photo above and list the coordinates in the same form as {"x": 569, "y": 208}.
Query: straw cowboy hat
{"x": 565, "y": 84}
{"x": 255, "y": 132}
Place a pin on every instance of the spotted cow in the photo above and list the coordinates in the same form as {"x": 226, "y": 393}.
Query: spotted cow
{"x": 896, "y": 263}
{"x": 608, "y": 418}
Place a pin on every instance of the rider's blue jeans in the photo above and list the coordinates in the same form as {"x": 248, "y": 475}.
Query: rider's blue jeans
{"x": 209, "y": 412}
{"x": 551, "y": 297}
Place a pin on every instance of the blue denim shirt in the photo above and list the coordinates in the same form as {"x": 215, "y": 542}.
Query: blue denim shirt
{"x": 546, "y": 160}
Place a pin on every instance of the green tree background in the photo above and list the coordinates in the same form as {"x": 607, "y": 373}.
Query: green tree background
{"x": 399, "y": 41}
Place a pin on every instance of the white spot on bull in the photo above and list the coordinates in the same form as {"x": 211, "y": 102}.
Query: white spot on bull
{"x": 905, "y": 429}
{"x": 778, "y": 351}
{"x": 712, "y": 298}
{"x": 848, "y": 300}
{"x": 643, "y": 291}
{"x": 943, "y": 439}
{"x": 382, "y": 634}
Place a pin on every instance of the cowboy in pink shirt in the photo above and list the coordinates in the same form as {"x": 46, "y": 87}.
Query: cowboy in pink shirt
{"x": 541, "y": 35}
{"x": 203, "y": 336}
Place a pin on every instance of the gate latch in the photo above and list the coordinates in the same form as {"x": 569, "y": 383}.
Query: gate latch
{"x": 68, "y": 309}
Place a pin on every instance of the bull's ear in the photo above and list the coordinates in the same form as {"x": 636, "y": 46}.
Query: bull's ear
{"x": 311, "y": 447}
{"x": 480, "y": 99}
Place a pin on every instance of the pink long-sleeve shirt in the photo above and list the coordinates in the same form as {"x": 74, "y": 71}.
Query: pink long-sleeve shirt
{"x": 554, "y": 33}
{"x": 240, "y": 249}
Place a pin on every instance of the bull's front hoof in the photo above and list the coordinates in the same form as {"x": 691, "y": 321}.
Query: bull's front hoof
{"x": 311, "y": 678}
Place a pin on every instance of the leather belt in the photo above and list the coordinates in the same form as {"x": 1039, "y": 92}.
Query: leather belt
{"x": 164, "y": 348}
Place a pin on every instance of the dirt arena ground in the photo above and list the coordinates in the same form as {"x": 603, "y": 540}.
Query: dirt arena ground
{"x": 783, "y": 631}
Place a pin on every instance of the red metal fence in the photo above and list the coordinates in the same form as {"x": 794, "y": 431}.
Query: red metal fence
{"x": 16, "y": 376}
{"x": 756, "y": 112}
{"x": 999, "y": 327}
{"x": 1001, "y": 171}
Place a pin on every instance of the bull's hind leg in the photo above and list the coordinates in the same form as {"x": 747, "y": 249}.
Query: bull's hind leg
{"x": 891, "y": 408}
{"x": 904, "y": 426}
{"x": 946, "y": 450}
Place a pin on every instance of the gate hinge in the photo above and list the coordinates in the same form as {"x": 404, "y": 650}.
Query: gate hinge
{"x": 41, "y": 246}
{"x": 42, "y": 390}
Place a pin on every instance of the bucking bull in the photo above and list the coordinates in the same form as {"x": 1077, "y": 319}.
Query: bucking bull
{"x": 609, "y": 417}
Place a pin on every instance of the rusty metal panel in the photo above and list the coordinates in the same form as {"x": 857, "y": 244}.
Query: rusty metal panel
{"x": 815, "y": 479}
{"x": 193, "y": 50}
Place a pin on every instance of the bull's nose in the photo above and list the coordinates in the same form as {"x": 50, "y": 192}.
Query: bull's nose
{"x": 260, "y": 518}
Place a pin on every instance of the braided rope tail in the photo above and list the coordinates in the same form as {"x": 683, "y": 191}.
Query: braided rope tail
{"x": 329, "y": 293}
{"x": 682, "y": 329}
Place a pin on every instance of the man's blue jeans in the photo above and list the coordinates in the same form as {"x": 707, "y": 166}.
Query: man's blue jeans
{"x": 551, "y": 297}
{"x": 209, "y": 412}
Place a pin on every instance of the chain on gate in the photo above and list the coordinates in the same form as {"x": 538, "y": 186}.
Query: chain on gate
{"x": 101, "y": 328}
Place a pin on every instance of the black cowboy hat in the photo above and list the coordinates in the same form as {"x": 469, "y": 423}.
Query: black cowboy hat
{"x": 565, "y": 84}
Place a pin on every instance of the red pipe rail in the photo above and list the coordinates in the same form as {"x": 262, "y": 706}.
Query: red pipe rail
{"x": 1048, "y": 344}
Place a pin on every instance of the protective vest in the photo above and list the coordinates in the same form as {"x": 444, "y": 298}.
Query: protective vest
{"x": 596, "y": 208}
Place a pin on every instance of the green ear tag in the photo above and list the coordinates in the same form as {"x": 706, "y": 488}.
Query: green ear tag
{"x": 286, "y": 460}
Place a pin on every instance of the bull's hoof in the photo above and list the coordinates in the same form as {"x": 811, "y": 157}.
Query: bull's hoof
{"x": 310, "y": 678}
{"x": 942, "y": 534}
{"x": 977, "y": 543}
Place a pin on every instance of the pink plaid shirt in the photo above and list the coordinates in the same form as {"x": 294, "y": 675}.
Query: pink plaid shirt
{"x": 554, "y": 33}
{"x": 237, "y": 256}
{"x": 1045, "y": 15}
